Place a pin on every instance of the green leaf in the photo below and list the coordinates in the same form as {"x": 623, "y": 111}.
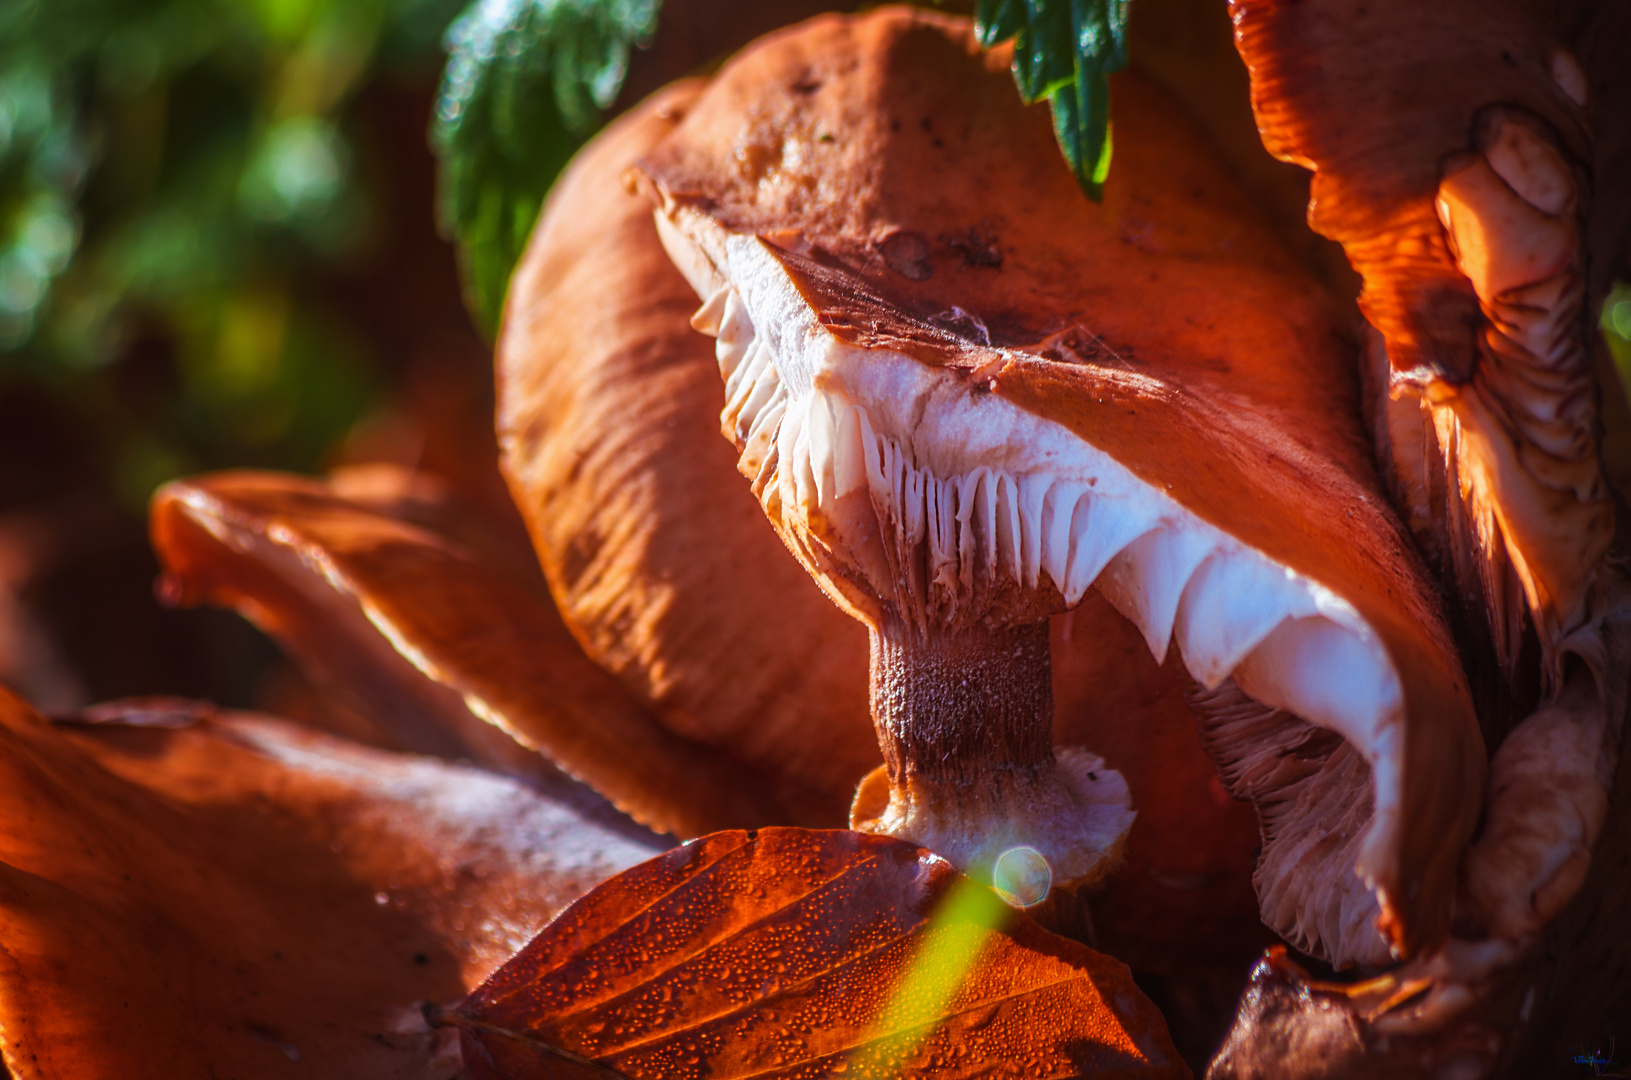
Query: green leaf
{"x": 527, "y": 82}
{"x": 996, "y": 21}
{"x": 1064, "y": 52}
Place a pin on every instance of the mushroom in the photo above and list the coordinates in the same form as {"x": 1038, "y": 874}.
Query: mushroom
{"x": 658, "y": 559}
{"x": 192, "y": 891}
{"x": 411, "y": 611}
{"x": 667, "y": 572}
{"x": 963, "y": 413}
{"x": 1462, "y": 200}
{"x": 913, "y": 520}
{"x": 1462, "y": 206}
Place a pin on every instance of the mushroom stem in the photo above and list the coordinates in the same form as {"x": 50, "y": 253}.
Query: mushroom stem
{"x": 954, "y": 705}
{"x": 965, "y": 719}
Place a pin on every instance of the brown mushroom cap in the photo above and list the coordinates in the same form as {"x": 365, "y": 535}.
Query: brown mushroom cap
{"x": 1455, "y": 159}
{"x": 658, "y": 559}
{"x": 1462, "y": 202}
{"x": 845, "y": 170}
{"x": 397, "y": 599}
{"x": 192, "y": 893}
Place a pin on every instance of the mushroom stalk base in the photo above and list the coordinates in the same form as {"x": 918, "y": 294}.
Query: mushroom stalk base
{"x": 965, "y": 721}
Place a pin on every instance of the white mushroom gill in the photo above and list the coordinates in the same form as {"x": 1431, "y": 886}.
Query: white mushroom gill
{"x": 957, "y": 491}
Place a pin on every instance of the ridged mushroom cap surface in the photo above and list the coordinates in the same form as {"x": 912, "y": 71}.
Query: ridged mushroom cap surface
{"x": 402, "y": 601}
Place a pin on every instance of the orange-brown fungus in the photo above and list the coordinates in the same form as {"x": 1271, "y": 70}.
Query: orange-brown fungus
{"x": 394, "y": 597}
{"x": 190, "y": 893}
{"x": 959, "y": 409}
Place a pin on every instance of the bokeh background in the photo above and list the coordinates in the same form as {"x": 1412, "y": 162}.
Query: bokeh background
{"x": 218, "y": 248}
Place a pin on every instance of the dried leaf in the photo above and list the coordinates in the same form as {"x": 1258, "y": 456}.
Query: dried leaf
{"x": 798, "y": 953}
{"x": 441, "y": 637}
{"x": 190, "y": 893}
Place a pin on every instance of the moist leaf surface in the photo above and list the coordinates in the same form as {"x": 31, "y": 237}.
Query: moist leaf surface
{"x": 798, "y": 953}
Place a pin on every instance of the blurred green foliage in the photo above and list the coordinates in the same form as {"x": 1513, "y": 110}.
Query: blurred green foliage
{"x": 171, "y": 174}
{"x": 527, "y": 82}
{"x": 1616, "y": 326}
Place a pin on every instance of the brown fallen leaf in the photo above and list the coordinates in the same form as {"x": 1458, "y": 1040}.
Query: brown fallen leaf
{"x": 801, "y": 953}
{"x": 449, "y": 641}
{"x": 189, "y": 893}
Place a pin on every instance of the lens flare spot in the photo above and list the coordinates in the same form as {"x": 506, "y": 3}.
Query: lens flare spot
{"x": 1022, "y": 876}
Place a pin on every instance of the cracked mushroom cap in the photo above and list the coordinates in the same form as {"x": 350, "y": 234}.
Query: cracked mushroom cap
{"x": 965, "y": 394}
